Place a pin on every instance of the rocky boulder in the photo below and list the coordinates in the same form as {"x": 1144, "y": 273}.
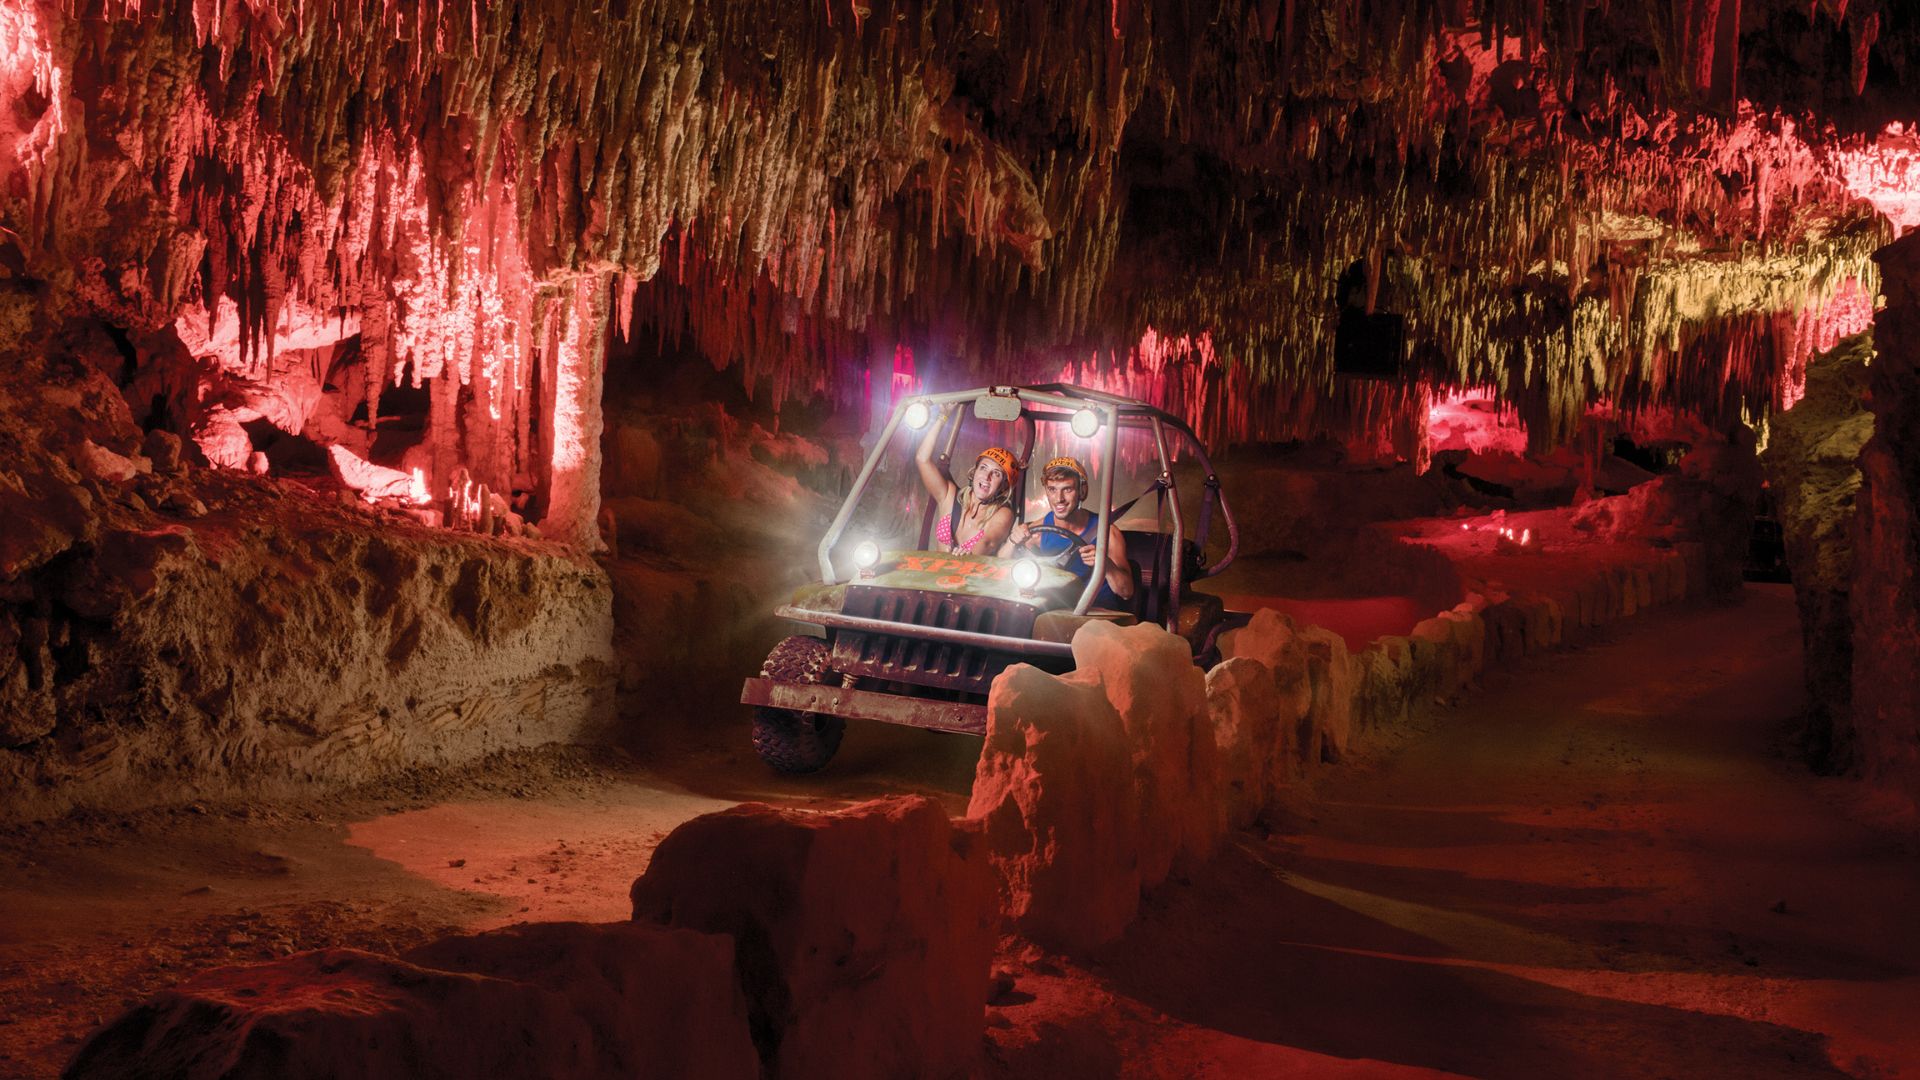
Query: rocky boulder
{"x": 602, "y": 997}
{"x": 1334, "y": 677}
{"x": 1054, "y": 792}
{"x": 863, "y": 937}
{"x": 659, "y": 1001}
{"x": 1243, "y": 702}
{"x": 1271, "y": 639}
{"x": 1160, "y": 696}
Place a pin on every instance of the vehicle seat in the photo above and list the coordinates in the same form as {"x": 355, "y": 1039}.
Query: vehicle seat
{"x": 1147, "y": 555}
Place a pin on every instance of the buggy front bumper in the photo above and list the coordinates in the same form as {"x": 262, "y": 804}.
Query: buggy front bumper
{"x": 991, "y": 642}
{"x": 867, "y": 705}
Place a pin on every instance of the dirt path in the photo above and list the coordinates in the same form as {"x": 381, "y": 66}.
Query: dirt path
{"x": 1604, "y": 866}
{"x": 96, "y": 913}
{"x": 1597, "y": 867}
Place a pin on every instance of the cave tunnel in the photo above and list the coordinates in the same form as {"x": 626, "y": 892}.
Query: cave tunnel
{"x": 1351, "y": 538}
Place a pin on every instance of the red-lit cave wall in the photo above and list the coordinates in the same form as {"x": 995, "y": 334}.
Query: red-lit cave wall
{"x": 384, "y": 252}
{"x": 294, "y": 212}
{"x": 1884, "y": 594}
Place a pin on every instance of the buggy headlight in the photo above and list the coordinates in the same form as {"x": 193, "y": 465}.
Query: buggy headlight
{"x": 866, "y": 554}
{"x": 917, "y": 415}
{"x": 1026, "y": 574}
{"x": 1085, "y": 423}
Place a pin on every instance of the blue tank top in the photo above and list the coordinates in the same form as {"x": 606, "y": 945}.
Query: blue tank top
{"x": 1049, "y": 544}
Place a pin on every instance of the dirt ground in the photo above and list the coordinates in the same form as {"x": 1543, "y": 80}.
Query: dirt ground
{"x": 1605, "y": 864}
{"x": 98, "y": 912}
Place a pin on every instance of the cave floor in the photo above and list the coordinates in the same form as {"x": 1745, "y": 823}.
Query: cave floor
{"x": 98, "y": 911}
{"x": 1605, "y": 863}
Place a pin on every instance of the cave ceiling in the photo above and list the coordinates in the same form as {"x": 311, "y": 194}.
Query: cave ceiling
{"x": 1651, "y": 202}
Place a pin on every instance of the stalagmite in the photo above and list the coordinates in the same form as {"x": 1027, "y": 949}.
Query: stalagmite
{"x": 577, "y": 365}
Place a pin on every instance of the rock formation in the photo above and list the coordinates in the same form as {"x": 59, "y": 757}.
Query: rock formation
{"x": 415, "y": 242}
{"x": 553, "y": 1001}
{"x": 168, "y": 631}
{"x": 862, "y": 939}
{"x": 1884, "y": 598}
{"x": 858, "y": 942}
{"x": 1054, "y": 791}
{"x": 1813, "y": 470}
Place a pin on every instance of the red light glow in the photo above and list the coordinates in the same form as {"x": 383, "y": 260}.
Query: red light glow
{"x": 27, "y": 64}
{"x": 1475, "y": 420}
{"x": 1886, "y": 173}
{"x": 1818, "y": 329}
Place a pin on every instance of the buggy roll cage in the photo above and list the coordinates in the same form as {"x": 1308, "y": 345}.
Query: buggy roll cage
{"x": 1115, "y": 412}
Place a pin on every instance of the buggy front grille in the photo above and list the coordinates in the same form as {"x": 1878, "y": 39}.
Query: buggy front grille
{"x": 901, "y": 658}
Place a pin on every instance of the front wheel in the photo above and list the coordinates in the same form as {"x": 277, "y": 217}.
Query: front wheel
{"x": 796, "y": 742}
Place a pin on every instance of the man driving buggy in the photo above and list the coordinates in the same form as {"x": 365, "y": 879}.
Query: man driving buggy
{"x": 1064, "y": 481}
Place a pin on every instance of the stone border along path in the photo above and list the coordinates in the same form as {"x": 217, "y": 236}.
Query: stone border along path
{"x": 859, "y": 943}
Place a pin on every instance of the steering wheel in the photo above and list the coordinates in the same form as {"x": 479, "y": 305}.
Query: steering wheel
{"x": 1074, "y": 541}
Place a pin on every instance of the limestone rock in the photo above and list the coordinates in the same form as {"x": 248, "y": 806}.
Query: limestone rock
{"x": 223, "y": 440}
{"x": 1625, "y": 599}
{"x": 1441, "y": 661}
{"x": 864, "y": 937}
{"x": 1885, "y": 726}
{"x": 635, "y": 463}
{"x": 1387, "y": 680}
{"x": 43, "y": 518}
{"x": 1054, "y": 791}
{"x": 343, "y": 1013}
{"x": 1470, "y": 634}
{"x": 106, "y": 466}
{"x": 1552, "y": 621}
{"x": 660, "y": 1001}
{"x": 162, "y": 447}
{"x": 25, "y": 715}
{"x": 1506, "y": 631}
{"x": 1813, "y": 473}
{"x": 1161, "y": 698}
{"x": 441, "y": 648}
{"x": 1270, "y": 638}
{"x": 1334, "y": 679}
{"x": 1884, "y": 579}
{"x": 370, "y": 480}
{"x": 1244, "y": 704}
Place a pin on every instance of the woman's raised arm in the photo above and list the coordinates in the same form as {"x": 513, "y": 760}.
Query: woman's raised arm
{"x": 938, "y": 483}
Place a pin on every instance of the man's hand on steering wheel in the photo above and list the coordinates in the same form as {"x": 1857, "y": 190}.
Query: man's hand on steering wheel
{"x": 1074, "y": 540}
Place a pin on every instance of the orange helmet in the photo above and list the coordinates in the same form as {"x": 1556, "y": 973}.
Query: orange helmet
{"x": 1001, "y": 458}
{"x": 1067, "y": 464}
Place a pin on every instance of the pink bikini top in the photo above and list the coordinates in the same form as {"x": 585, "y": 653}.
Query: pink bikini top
{"x": 943, "y": 532}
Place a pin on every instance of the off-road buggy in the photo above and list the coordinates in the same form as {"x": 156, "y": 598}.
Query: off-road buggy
{"x": 907, "y": 634}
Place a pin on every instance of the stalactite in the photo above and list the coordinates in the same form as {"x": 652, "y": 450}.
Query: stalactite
{"x": 1885, "y": 171}
{"x": 790, "y": 192}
